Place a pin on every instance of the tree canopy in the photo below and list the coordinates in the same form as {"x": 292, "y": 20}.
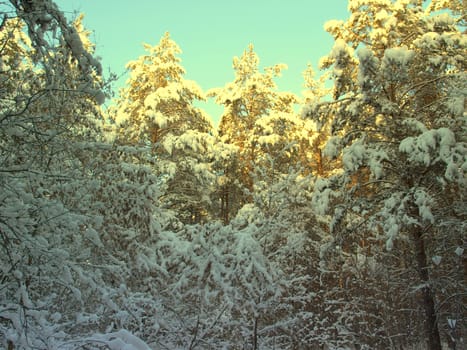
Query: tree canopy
{"x": 332, "y": 220}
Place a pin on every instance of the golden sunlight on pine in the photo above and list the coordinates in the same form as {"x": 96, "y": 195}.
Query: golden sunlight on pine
{"x": 333, "y": 219}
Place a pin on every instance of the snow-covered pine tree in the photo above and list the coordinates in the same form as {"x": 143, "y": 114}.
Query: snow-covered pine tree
{"x": 157, "y": 108}
{"x": 398, "y": 122}
{"x": 249, "y": 99}
{"x": 314, "y": 94}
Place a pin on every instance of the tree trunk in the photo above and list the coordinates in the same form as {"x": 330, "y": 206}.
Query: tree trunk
{"x": 255, "y": 334}
{"x": 431, "y": 323}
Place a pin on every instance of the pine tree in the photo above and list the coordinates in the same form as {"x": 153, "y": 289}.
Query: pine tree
{"x": 157, "y": 108}
{"x": 398, "y": 121}
{"x": 314, "y": 94}
{"x": 248, "y": 101}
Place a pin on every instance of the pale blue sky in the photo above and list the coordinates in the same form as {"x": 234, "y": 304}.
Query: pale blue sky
{"x": 211, "y": 32}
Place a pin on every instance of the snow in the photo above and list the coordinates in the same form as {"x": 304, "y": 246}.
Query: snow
{"x": 368, "y": 65}
{"x": 391, "y": 228}
{"x": 93, "y": 236}
{"x": 424, "y": 203}
{"x": 456, "y": 104}
{"x": 430, "y": 147}
{"x": 18, "y": 274}
{"x": 381, "y": 15}
{"x": 365, "y": 54}
{"x": 269, "y": 140}
{"x": 443, "y": 20}
{"x": 121, "y": 340}
{"x": 340, "y": 48}
{"x": 452, "y": 323}
{"x": 379, "y": 35}
{"x": 332, "y": 147}
{"x": 459, "y": 251}
{"x": 397, "y": 56}
{"x": 94, "y": 240}
{"x": 322, "y": 196}
{"x": 447, "y": 141}
{"x": 331, "y": 25}
{"x": 436, "y": 259}
{"x": 353, "y": 155}
{"x": 375, "y": 162}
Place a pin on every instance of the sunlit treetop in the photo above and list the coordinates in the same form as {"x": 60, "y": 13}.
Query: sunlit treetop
{"x": 251, "y": 95}
{"x": 158, "y": 99}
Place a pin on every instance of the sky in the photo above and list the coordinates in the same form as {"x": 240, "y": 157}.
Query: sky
{"x": 210, "y": 33}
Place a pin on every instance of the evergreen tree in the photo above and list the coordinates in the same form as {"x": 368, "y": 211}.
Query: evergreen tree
{"x": 157, "y": 109}
{"x": 249, "y": 99}
{"x": 314, "y": 94}
{"x": 94, "y": 250}
{"x": 398, "y": 122}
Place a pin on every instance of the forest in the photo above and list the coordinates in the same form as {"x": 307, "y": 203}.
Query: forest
{"x": 335, "y": 220}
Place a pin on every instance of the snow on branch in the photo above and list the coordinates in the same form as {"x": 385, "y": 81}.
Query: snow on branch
{"x": 43, "y": 16}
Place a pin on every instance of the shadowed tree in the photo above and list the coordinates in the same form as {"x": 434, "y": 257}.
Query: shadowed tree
{"x": 398, "y": 122}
